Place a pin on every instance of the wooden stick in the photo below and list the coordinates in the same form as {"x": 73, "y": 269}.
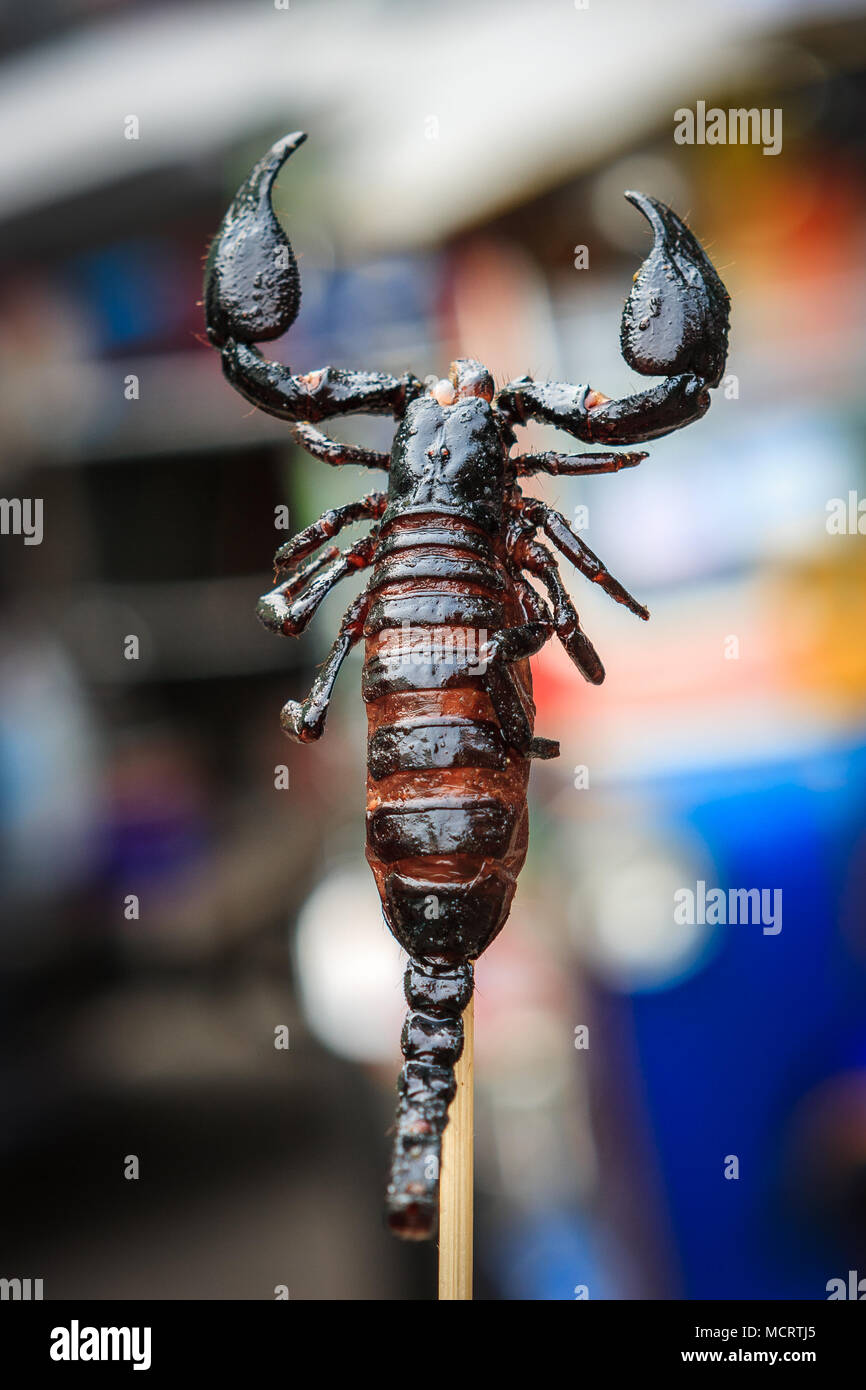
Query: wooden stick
{"x": 456, "y": 1182}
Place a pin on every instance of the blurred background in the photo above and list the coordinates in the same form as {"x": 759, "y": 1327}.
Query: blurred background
{"x": 173, "y": 900}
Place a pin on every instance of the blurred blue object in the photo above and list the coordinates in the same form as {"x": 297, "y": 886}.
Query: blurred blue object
{"x": 552, "y": 1256}
{"x": 133, "y": 291}
{"x": 727, "y": 1055}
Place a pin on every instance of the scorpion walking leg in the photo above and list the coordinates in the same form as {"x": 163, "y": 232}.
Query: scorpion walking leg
{"x": 533, "y": 556}
{"x": 437, "y": 993}
{"x": 328, "y": 525}
{"x": 278, "y": 614}
{"x": 337, "y": 454}
{"x": 571, "y": 465}
{"x": 557, "y": 528}
{"x": 305, "y": 722}
{"x": 514, "y": 644}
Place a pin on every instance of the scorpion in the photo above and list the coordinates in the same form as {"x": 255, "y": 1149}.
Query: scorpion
{"x": 452, "y": 548}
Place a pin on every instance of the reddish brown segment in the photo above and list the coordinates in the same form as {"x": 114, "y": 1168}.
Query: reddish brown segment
{"x": 409, "y": 792}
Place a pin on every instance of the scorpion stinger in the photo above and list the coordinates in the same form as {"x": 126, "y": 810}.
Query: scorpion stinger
{"x": 449, "y": 618}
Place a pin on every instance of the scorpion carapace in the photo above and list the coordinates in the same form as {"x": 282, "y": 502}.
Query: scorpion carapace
{"x": 449, "y": 615}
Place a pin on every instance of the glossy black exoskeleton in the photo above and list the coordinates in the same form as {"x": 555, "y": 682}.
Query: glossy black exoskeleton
{"x": 449, "y": 616}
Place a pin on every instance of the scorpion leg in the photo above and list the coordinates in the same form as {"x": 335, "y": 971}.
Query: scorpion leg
{"x": 515, "y": 644}
{"x": 556, "y": 527}
{"x": 252, "y": 294}
{"x": 533, "y": 605}
{"x": 675, "y": 324}
{"x": 570, "y": 465}
{"x": 278, "y": 614}
{"x": 328, "y": 525}
{"x": 305, "y": 721}
{"x": 533, "y": 557}
{"x": 337, "y": 454}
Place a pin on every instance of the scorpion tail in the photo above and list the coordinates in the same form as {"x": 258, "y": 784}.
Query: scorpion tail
{"x": 252, "y": 289}
{"x": 676, "y": 316}
{"x": 437, "y": 993}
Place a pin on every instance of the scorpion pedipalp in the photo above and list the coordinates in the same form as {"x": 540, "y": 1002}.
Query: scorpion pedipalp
{"x": 676, "y": 316}
{"x": 252, "y": 289}
{"x": 252, "y": 293}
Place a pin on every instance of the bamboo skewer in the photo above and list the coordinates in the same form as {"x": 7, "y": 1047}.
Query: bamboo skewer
{"x": 456, "y": 1181}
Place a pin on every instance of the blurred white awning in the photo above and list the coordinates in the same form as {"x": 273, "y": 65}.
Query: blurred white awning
{"x": 428, "y": 117}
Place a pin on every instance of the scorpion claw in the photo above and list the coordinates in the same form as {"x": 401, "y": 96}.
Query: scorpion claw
{"x": 676, "y": 316}
{"x": 252, "y": 290}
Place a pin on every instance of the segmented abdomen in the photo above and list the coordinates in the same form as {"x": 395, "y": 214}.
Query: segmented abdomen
{"x": 446, "y": 798}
